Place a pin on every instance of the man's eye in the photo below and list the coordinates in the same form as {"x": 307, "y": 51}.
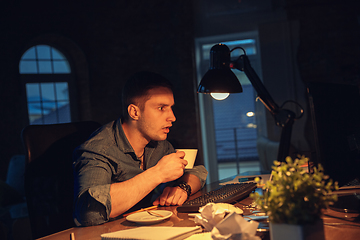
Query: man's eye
{"x": 161, "y": 108}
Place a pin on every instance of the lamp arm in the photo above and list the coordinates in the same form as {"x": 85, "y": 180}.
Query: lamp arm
{"x": 283, "y": 117}
{"x": 243, "y": 64}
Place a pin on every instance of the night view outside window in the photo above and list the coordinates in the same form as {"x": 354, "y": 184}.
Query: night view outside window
{"x": 45, "y": 71}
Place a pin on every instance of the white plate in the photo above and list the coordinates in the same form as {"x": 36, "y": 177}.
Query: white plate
{"x": 146, "y": 218}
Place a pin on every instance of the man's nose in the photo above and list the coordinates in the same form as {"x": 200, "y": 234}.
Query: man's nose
{"x": 172, "y": 117}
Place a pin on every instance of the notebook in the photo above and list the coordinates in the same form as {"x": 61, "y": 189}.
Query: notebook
{"x": 152, "y": 233}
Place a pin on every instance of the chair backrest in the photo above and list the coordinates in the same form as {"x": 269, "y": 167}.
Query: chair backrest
{"x": 49, "y": 175}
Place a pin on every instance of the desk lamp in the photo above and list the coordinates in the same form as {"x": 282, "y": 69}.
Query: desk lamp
{"x": 220, "y": 79}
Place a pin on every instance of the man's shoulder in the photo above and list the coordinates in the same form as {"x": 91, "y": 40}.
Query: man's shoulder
{"x": 104, "y": 130}
{"x": 103, "y": 137}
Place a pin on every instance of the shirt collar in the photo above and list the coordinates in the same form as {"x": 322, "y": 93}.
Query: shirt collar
{"x": 122, "y": 140}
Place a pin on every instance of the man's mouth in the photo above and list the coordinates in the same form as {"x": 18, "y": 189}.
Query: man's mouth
{"x": 167, "y": 129}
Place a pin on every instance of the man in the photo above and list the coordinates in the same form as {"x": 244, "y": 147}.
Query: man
{"x": 128, "y": 164}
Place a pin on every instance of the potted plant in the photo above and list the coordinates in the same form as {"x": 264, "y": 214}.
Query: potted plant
{"x": 295, "y": 198}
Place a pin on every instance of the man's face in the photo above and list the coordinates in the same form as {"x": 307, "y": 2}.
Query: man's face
{"x": 157, "y": 116}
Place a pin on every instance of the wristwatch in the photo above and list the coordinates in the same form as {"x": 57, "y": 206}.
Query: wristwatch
{"x": 184, "y": 186}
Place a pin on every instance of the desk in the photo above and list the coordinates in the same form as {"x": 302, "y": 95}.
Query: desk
{"x": 337, "y": 225}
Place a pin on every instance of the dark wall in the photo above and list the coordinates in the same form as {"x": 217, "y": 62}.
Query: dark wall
{"x": 300, "y": 41}
{"x": 329, "y": 49}
{"x": 329, "y": 46}
{"x": 106, "y": 42}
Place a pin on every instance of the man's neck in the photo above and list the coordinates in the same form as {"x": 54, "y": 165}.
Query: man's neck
{"x": 136, "y": 140}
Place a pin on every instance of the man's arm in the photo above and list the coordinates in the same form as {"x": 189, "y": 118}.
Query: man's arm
{"x": 97, "y": 199}
{"x": 126, "y": 194}
{"x": 176, "y": 195}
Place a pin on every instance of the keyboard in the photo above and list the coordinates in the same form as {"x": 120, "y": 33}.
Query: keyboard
{"x": 225, "y": 194}
{"x": 354, "y": 184}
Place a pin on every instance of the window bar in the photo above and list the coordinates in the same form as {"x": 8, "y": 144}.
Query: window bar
{"x": 41, "y": 103}
{"x": 51, "y": 60}
{"x": 56, "y": 104}
{"x": 37, "y": 61}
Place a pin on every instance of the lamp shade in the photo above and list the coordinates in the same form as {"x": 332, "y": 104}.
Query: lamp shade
{"x": 219, "y": 78}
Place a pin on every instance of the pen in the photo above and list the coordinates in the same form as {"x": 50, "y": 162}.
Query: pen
{"x": 140, "y": 210}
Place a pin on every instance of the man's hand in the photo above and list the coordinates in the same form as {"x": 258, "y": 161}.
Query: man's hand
{"x": 171, "y": 196}
{"x": 171, "y": 166}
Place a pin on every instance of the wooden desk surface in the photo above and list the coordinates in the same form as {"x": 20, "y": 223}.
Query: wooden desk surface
{"x": 337, "y": 225}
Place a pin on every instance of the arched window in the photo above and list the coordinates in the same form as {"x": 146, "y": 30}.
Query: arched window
{"x": 46, "y": 73}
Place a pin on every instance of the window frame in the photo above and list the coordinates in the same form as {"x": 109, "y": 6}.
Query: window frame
{"x": 69, "y": 78}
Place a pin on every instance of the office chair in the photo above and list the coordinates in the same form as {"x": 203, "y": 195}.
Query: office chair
{"x": 49, "y": 175}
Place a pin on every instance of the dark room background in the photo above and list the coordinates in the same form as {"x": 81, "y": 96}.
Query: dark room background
{"x": 107, "y": 41}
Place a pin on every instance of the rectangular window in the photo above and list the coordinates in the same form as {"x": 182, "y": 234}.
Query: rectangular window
{"x": 48, "y": 102}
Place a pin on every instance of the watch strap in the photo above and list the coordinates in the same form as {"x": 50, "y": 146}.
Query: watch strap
{"x": 184, "y": 186}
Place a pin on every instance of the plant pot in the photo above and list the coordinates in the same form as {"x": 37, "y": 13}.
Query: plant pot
{"x": 282, "y": 231}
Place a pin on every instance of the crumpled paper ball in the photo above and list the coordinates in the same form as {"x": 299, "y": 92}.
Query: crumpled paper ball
{"x": 211, "y": 214}
{"x": 226, "y": 225}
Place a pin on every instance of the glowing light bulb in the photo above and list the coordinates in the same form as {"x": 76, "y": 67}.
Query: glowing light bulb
{"x": 219, "y": 96}
{"x": 250, "y": 114}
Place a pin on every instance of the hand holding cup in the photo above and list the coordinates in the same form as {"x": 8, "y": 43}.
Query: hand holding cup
{"x": 190, "y": 156}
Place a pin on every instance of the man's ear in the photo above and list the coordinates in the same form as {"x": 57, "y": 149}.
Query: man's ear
{"x": 134, "y": 111}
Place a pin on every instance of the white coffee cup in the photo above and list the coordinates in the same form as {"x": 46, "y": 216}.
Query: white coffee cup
{"x": 190, "y": 156}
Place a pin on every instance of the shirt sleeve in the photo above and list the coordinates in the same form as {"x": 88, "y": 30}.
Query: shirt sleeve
{"x": 199, "y": 171}
{"x": 92, "y": 180}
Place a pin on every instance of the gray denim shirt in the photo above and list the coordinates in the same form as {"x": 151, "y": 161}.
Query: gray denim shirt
{"x": 107, "y": 157}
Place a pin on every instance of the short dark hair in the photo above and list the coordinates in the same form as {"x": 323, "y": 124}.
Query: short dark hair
{"x": 137, "y": 86}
